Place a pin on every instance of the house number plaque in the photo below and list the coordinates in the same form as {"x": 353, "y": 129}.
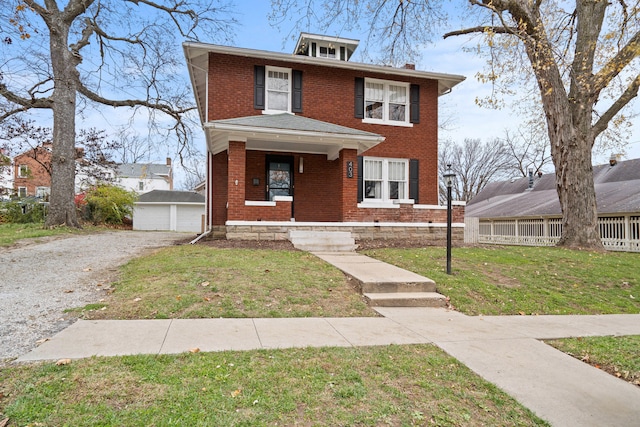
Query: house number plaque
{"x": 349, "y": 169}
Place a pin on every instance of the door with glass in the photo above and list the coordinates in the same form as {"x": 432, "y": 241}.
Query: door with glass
{"x": 280, "y": 177}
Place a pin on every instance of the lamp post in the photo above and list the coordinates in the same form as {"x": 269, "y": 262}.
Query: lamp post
{"x": 449, "y": 177}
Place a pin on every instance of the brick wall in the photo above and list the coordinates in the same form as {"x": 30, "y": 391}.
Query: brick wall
{"x": 322, "y": 192}
{"x": 38, "y": 175}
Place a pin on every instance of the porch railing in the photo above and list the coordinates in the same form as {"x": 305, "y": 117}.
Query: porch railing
{"x": 618, "y": 233}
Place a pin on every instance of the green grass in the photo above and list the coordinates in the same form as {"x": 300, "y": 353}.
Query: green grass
{"x": 369, "y": 386}
{"x": 620, "y": 356}
{"x": 527, "y": 280}
{"x": 192, "y": 281}
{"x": 11, "y": 233}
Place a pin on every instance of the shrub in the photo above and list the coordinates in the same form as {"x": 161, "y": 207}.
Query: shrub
{"x": 108, "y": 204}
{"x": 22, "y": 212}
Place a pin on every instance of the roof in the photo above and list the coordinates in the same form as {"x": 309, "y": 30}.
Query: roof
{"x": 197, "y": 56}
{"x": 617, "y": 191}
{"x": 166, "y": 196}
{"x": 142, "y": 170}
{"x": 290, "y": 133}
{"x": 291, "y": 122}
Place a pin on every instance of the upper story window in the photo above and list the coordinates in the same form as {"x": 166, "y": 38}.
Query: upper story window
{"x": 385, "y": 179}
{"x": 23, "y": 171}
{"x": 278, "y": 90}
{"x": 386, "y": 102}
{"x": 327, "y": 52}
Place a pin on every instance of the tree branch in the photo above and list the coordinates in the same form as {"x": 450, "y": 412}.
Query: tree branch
{"x": 624, "y": 99}
{"x": 627, "y": 54}
{"x": 26, "y": 103}
{"x": 482, "y": 29}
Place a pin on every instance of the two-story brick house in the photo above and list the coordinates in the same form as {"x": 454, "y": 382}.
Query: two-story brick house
{"x": 312, "y": 140}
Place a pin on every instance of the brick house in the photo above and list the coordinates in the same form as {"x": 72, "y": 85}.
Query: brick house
{"x": 32, "y": 172}
{"x": 311, "y": 140}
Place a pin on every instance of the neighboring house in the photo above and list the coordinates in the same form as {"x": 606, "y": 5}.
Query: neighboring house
{"x": 170, "y": 211}
{"x": 313, "y": 140}
{"x": 144, "y": 177}
{"x": 6, "y": 176}
{"x": 526, "y": 211}
{"x": 32, "y": 172}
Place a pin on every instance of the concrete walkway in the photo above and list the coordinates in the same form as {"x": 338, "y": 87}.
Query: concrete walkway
{"x": 504, "y": 350}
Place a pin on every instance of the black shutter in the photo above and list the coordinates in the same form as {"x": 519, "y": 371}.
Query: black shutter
{"x": 296, "y": 95}
{"x": 360, "y": 183}
{"x": 359, "y": 98}
{"x": 343, "y": 53}
{"x": 413, "y": 179}
{"x": 313, "y": 49}
{"x": 258, "y": 87}
{"x": 414, "y": 107}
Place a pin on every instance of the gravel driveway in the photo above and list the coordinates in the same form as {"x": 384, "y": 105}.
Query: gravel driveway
{"x": 38, "y": 281}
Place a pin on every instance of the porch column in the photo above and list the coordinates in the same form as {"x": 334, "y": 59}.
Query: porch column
{"x": 235, "y": 181}
{"x": 349, "y": 190}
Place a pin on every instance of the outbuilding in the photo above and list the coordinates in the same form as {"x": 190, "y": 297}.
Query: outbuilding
{"x": 169, "y": 211}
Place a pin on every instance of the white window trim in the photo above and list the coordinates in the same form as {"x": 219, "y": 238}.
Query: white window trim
{"x": 385, "y": 201}
{"x": 20, "y": 175}
{"x": 289, "y": 71}
{"x": 25, "y": 191}
{"x": 385, "y": 120}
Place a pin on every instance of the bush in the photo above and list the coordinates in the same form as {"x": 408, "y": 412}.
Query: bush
{"x": 108, "y": 204}
{"x": 22, "y": 212}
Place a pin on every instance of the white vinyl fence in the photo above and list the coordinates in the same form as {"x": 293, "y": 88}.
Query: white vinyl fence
{"x": 619, "y": 233}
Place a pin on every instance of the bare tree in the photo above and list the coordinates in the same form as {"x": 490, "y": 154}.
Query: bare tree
{"x": 475, "y": 165}
{"x": 527, "y": 150}
{"x": 578, "y": 53}
{"x": 118, "y": 53}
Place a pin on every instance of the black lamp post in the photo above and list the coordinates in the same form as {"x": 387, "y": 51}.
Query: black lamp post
{"x": 449, "y": 176}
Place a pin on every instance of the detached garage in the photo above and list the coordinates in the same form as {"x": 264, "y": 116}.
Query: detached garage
{"x": 169, "y": 211}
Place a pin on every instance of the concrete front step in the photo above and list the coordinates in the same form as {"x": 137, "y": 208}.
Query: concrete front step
{"x": 426, "y": 285}
{"x": 406, "y": 299}
{"x": 322, "y": 241}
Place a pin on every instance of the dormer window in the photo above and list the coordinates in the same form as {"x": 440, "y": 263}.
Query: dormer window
{"x": 327, "y": 52}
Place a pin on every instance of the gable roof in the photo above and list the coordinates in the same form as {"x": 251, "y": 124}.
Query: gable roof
{"x": 197, "y": 56}
{"x": 617, "y": 191}
{"x": 142, "y": 170}
{"x": 166, "y": 196}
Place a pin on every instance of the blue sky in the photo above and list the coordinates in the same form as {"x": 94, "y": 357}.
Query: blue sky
{"x": 444, "y": 56}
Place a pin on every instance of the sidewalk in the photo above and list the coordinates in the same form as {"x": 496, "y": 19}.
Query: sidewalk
{"x": 504, "y": 350}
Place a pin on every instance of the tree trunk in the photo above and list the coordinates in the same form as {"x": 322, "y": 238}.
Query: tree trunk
{"x": 574, "y": 182}
{"x": 62, "y": 210}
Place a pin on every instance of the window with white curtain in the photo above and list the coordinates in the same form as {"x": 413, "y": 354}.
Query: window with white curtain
{"x": 385, "y": 179}
{"x": 278, "y": 89}
{"x": 386, "y": 102}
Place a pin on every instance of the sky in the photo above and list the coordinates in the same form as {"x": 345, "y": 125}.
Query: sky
{"x": 444, "y": 56}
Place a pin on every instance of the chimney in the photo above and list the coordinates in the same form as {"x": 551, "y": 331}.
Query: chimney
{"x": 614, "y": 159}
{"x": 168, "y": 161}
{"x": 530, "y": 177}
{"x": 408, "y": 66}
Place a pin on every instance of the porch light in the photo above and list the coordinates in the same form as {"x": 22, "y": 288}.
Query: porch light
{"x": 449, "y": 176}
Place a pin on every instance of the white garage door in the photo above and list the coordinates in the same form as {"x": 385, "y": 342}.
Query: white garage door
{"x": 151, "y": 217}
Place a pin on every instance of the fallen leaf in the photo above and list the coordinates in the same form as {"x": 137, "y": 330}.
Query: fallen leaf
{"x": 43, "y": 340}
{"x": 178, "y": 297}
{"x": 194, "y": 350}
{"x": 86, "y": 269}
{"x": 631, "y": 296}
{"x": 4, "y": 422}
{"x": 137, "y": 299}
{"x": 62, "y": 362}
{"x": 68, "y": 291}
{"x": 236, "y": 393}
{"x": 206, "y": 299}
{"x": 204, "y": 284}
{"x": 521, "y": 313}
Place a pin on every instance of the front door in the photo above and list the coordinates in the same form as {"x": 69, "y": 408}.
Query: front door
{"x": 280, "y": 177}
